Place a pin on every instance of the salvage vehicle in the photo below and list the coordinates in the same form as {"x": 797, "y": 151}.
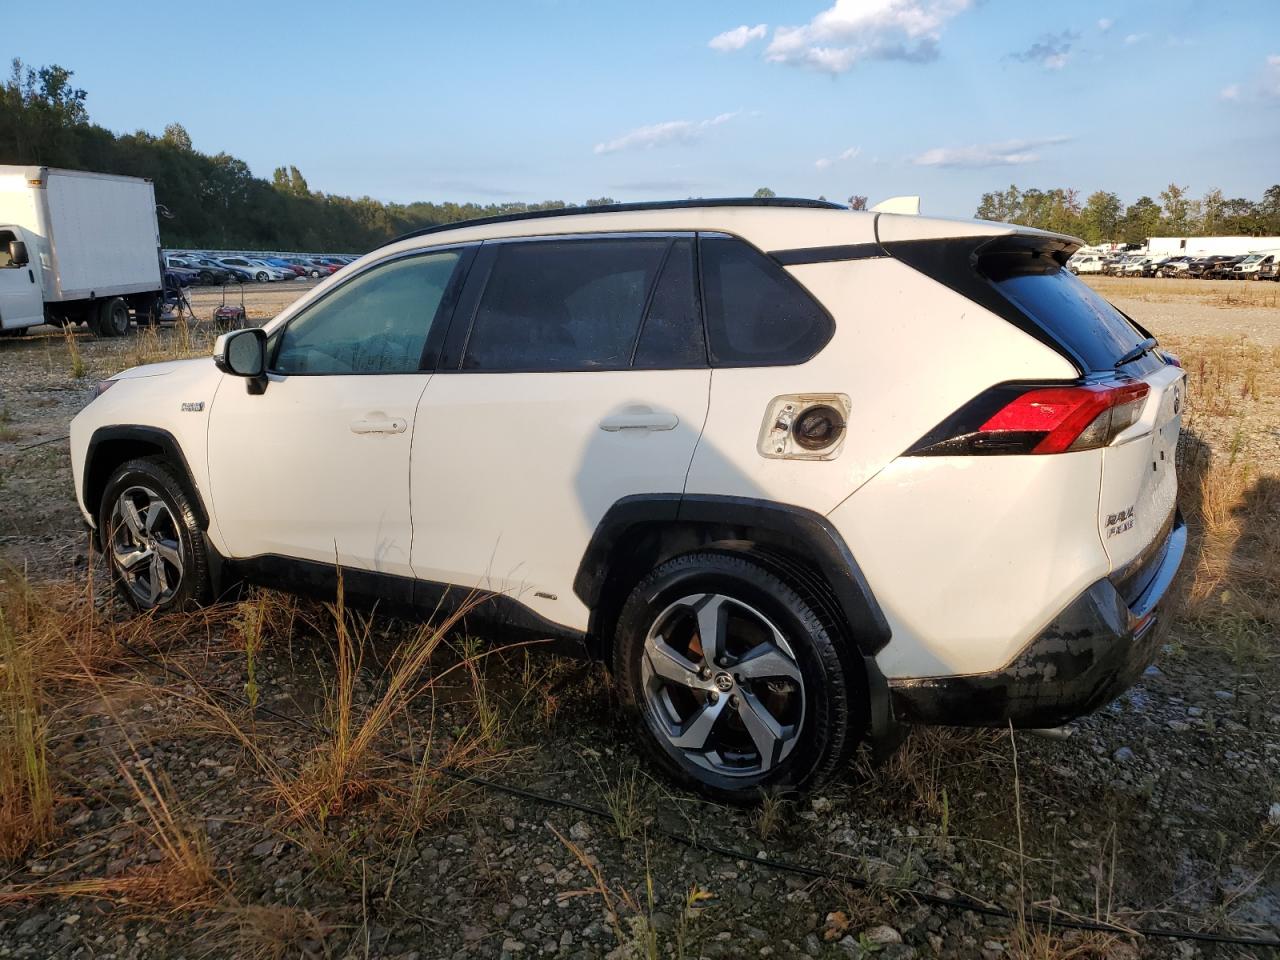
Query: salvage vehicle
{"x": 802, "y": 475}
{"x": 77, "y": 247}
{"x": 1251, "y": 267}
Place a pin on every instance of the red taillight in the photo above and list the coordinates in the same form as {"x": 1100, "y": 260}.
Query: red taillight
{"x": 1058, "y": 419}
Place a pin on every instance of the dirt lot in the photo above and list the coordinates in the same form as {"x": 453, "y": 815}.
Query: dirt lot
{"x": 273, "y": 779}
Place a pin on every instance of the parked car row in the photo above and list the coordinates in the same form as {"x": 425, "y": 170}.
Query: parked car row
{"x": 190, "y": 268}
{"x": 1260, "y": 265}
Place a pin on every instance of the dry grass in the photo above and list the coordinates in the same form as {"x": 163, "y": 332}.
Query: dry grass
{"x": 1223, "y": 293}
{"x": 26, "y": 792}
{"x": 267, "y": 931}
{"x": 1230, "y": 496}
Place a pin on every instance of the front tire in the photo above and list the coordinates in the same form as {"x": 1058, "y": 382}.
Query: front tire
{"x": 263, "y": 278}
{"x": 152, "y": 540}
{"x": 734, "y": 683}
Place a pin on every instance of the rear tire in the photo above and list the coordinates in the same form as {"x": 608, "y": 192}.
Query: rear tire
{"x": 765, "y": 705}
{"x": 112, "y": 318}
{"x": 151, "y": 538}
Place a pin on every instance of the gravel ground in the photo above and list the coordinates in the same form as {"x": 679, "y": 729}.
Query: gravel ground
{"x": 1163, "y": 808}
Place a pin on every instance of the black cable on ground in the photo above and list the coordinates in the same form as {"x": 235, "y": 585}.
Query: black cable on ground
{"x": 32, "y": 446}
{"x": 959, "y": 902}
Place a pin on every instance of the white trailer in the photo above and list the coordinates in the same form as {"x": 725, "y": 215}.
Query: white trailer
{"x": 77, "y": 247}
{"x": 1209, "y": 246}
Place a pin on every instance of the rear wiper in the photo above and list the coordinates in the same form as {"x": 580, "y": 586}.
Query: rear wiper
{"x": 1138, "y": 352}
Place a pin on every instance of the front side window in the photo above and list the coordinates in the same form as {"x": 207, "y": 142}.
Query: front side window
{"x": 563, "y": 304}
{"x": 6, "y": 237}
{"x": 376, "y": 323}
{"x": 756, "y": 314}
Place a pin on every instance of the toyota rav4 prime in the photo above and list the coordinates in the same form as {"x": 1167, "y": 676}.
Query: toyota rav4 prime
{"x": 801, "y": 474}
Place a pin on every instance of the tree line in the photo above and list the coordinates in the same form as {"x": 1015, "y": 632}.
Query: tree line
{"x": 1103, "y": 216}
{"x": 208, "y": 200}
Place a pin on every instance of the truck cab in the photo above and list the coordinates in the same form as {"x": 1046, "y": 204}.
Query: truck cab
{"x": 21, "y": 295}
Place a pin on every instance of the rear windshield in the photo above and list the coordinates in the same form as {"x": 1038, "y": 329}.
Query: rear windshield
{"x": 1074, "y": 314}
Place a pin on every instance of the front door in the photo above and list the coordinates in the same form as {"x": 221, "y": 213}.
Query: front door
{"x": 579, "y": 377}
{"x": 21, "y": 302}
{"x": 317, "y": 467}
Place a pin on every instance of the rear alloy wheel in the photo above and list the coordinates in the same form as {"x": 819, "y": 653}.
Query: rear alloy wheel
{"x": 152, "y": 539}
{"x": 113, "y": 318}
{"x": 735, "y": 680}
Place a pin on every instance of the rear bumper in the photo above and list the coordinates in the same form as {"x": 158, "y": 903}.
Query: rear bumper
{"x": 1090, "y": 654}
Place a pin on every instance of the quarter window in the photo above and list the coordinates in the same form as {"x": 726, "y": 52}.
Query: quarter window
{"x": 376, "y": 323}
{"x": 756, "y": 314}
{"x": 563, "y": 304}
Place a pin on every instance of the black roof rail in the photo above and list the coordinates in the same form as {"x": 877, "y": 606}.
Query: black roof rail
{"x": 626, "y": 208}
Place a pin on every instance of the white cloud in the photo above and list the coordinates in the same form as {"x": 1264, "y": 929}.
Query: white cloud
{"x": 663, "y": 134}
{"x": 737, "y": 38}
{"x": 1271, "y": 78}
{"x": 855, "y": 30}
{"x": 1133, "y": 38}
{"x": 1105, "y": 24}
{"x": 1008, "y": 153}
{"x": 1264, "y": 86}
{"x": 823, "y": 162}
{"x": 1052, "y": 51}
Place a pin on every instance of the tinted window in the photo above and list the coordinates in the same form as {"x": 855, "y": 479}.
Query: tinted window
{"x": 1076, "y": 316}
{"x": 376, "y": 323}
{"x": 563, "y": 304}
{"x": 672, "y": 331}
{"x": 756, "y": 314}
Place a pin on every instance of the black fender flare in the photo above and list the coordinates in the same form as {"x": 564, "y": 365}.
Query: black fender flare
{"x": 140, "y": 441}
{"x": 797, "y": 531}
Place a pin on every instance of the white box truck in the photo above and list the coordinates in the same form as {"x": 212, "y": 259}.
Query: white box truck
{"x": 77, "y": 247}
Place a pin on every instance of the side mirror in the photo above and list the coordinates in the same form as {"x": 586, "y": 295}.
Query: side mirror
{"x": 18, "y": 253}
{"x": 243, "y": 353}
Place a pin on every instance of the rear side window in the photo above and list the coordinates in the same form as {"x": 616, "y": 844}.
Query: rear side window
{"x": 756, "y": 314}
{"x": 1074, "y": 314}
{"x": 563, "y": 304}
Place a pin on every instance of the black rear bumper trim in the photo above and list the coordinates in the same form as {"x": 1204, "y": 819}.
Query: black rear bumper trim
{"x": 1090, "y": 654}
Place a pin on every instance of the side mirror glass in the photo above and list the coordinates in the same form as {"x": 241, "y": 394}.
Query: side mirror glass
{"x": 18, "y": 253}
{"x": 243, "y": 353}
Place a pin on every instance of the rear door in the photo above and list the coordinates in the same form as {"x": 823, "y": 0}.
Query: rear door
{"x": 575, "y": 375}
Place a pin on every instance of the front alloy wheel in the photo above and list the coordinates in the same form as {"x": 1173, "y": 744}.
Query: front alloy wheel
{"x": 146, "y": 546}
{"x": 152, "y": 538}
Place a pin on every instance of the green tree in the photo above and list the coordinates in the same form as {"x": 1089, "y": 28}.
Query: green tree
{"x": 1100, "y": 216}
{"x": 857, "y": 202}
{"x": 764, "y": 193}
{"x": 1141, "y": 220}
{"x": 1177, "y": 206}
{"x": 1211, "y": 212}
{"x": 175, "y": 135}
{"x": 1003, "y": 206}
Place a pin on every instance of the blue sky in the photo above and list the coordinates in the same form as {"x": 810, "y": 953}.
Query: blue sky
{"x": 570, "y": 99}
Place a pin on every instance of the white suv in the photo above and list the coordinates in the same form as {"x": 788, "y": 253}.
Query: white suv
{"x": 799, "y": 472}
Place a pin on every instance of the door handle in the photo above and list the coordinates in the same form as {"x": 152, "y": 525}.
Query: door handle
{"x": 384, "y": 425}
{"x": 650, "y": 420}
